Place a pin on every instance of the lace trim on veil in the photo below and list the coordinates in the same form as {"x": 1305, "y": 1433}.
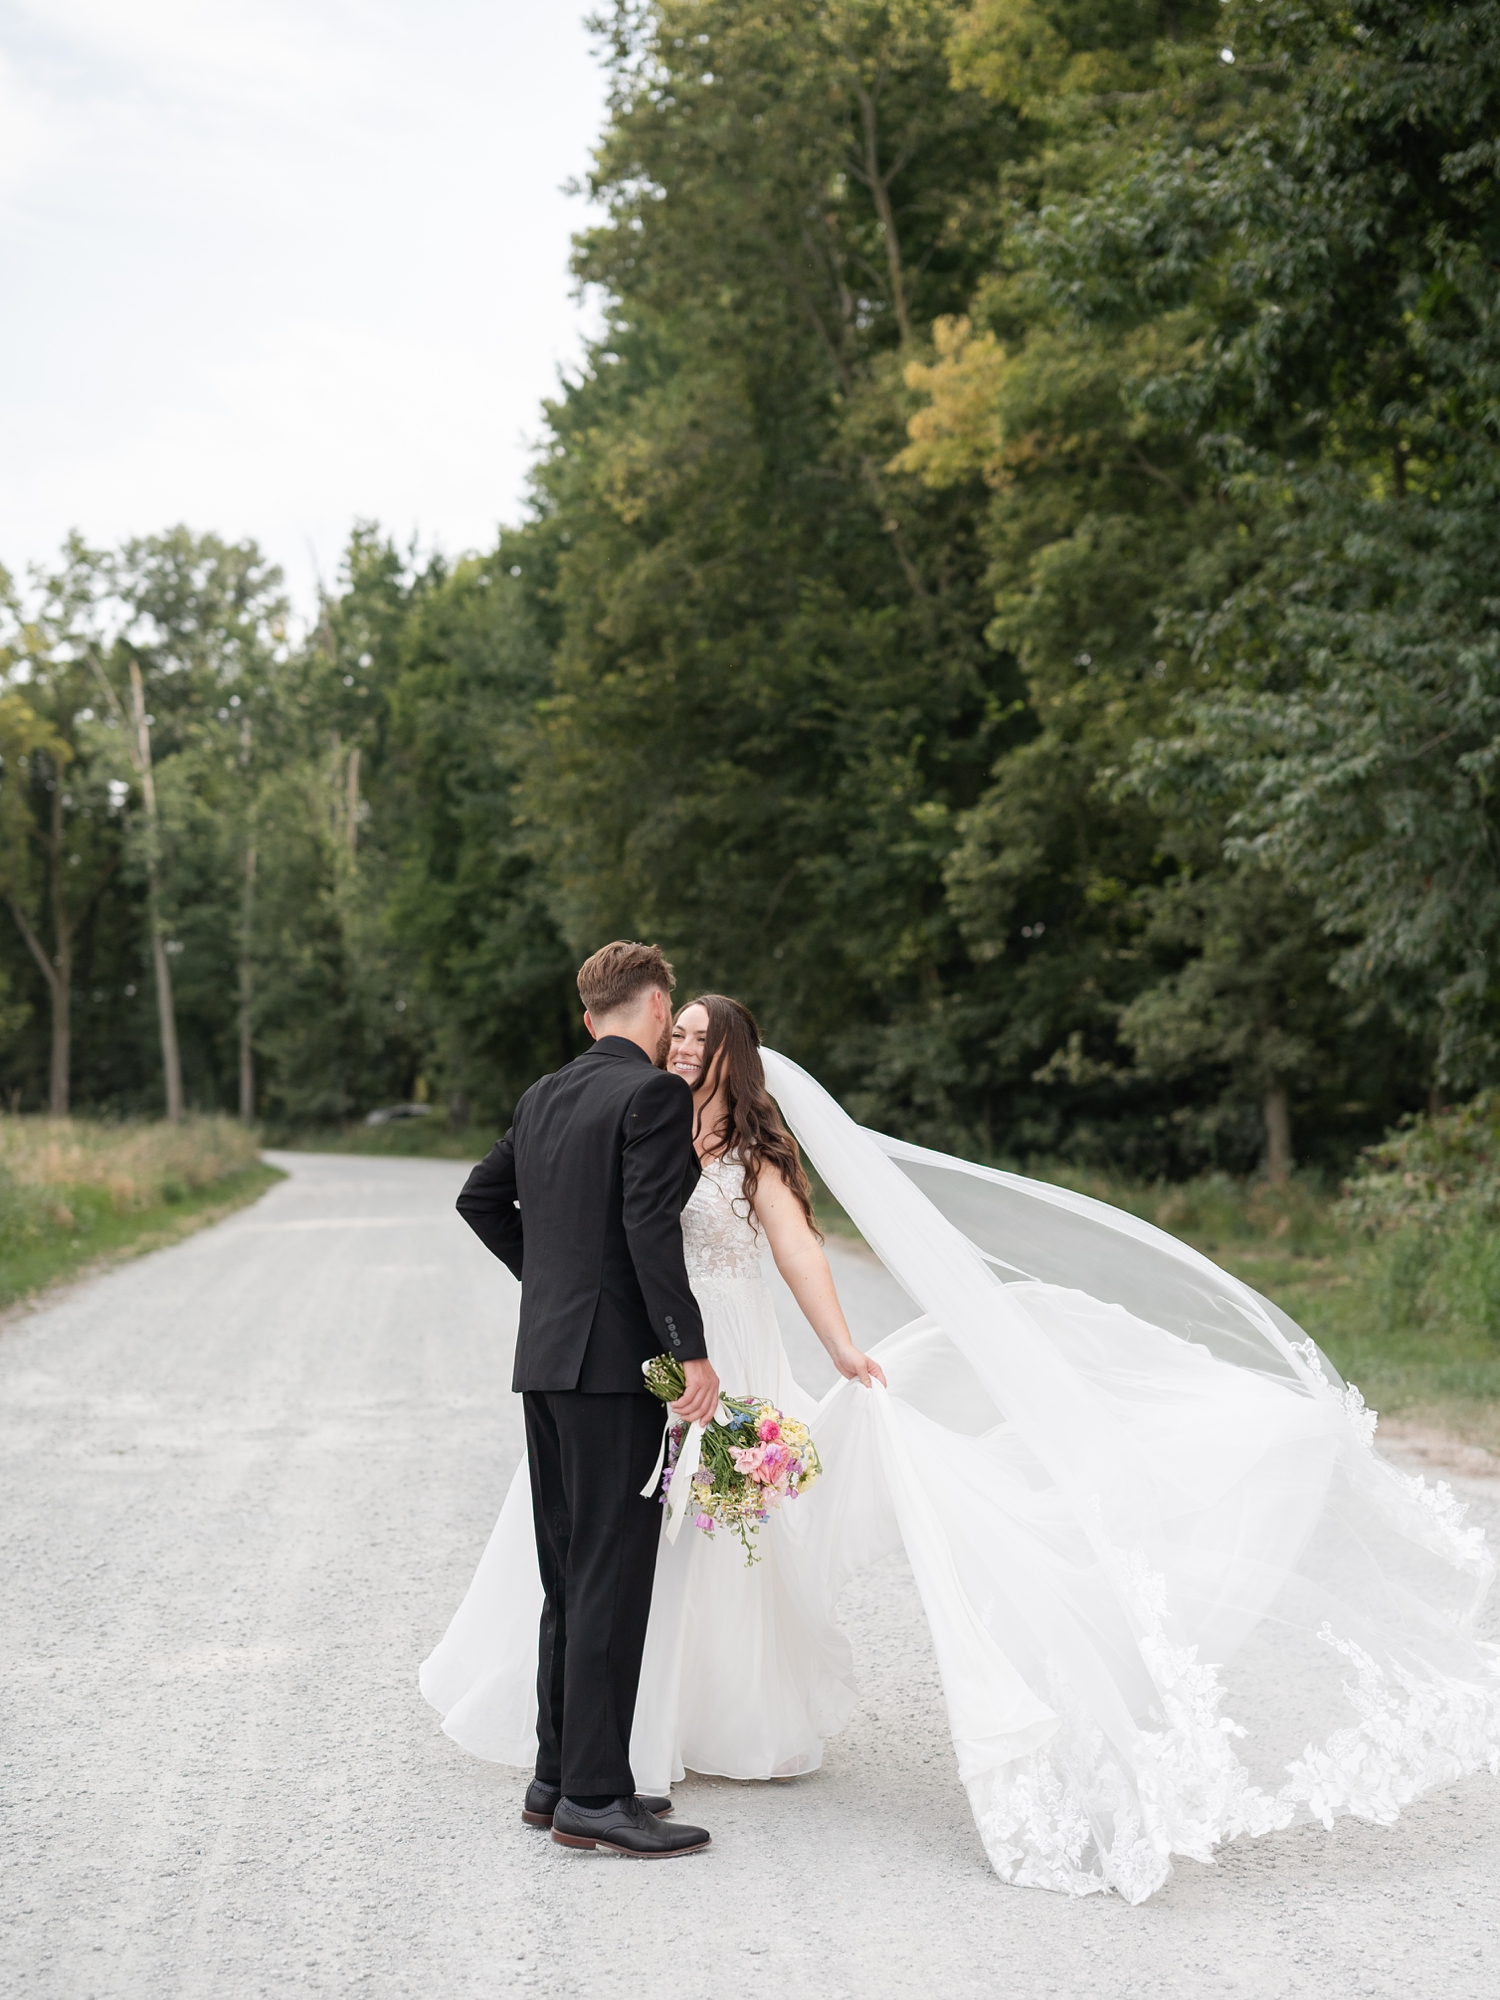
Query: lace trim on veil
{"x": 1412, "y": 1733}
{"x": 1070, "y": 1816}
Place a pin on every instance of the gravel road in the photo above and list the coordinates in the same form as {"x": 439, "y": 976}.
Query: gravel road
{"x": 245, "y": 1482}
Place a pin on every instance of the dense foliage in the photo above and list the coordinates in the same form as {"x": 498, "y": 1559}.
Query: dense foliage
{"x": 1429, "y": 1197}
{"x": 1010, "y": 594}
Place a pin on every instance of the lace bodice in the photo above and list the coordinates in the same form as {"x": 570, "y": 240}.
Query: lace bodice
{"x": 719, "y": 1236}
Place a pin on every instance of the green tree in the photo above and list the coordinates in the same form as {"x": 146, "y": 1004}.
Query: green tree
{"x": 771, "y": 690}
{"x": 58, "y": 819}
{"x": 1248, "y": 1004}
{"x": 198, "y": 626}
{"x": 336, "y": 1022}
{"x": 1342, "y": 705}
{"x": 1097, "y": 509}
{"x": 469, "y": 906}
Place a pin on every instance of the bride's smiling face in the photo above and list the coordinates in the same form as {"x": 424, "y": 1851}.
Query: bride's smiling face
{"x": 685, "y": 1057}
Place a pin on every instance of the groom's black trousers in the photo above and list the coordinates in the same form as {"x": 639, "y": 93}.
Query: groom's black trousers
{"x": 596, "y": 1548}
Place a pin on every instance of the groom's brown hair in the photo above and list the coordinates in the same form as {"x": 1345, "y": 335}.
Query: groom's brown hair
{"x": 618, "y": 972}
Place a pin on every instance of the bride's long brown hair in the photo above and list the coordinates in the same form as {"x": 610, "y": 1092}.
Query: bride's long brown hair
{"x": 751, "y": 1128}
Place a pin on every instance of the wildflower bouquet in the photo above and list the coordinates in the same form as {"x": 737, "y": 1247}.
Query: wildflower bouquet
{"x": 749, "y": 1459}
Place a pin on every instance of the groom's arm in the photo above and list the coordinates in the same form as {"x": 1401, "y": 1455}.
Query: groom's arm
{"x": 658, "y": 1148}
{"x": 490, "y": 1204}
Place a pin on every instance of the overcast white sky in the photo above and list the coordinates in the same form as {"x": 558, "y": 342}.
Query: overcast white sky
{"x": 272, "y": 264}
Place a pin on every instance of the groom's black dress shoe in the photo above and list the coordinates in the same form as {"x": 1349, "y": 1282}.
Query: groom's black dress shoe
{"x": 626, "y": 1828}
{"x": 542, "y": 1799}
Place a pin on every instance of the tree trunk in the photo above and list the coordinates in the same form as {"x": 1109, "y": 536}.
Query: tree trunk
{"x": 58, "y": 994}
{"x": 57, "y": 969}
{"x": 247, "y": 990}
{"x": 58, "y": 1092}
{"x": 62, "y": 958}
{"x": 247, "y": 939}
{"x": 166, "y": 1014}
{"x": 351, "y": 800}
{"x": 880, "y": 189}
{"x": 1277, "y": 1110}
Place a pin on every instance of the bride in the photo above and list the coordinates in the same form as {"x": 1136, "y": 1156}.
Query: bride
{"x": 1174, "y": 1594}
{"x": 745, "y": 1671}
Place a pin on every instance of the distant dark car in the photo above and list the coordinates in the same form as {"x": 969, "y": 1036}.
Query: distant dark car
{"x": 392, "y": 1111}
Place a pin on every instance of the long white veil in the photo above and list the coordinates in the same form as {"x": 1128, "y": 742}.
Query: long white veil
{"x": 1175, "y": 1594}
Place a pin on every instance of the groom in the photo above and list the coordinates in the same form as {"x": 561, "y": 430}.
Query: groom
{"x": 583, "y": 1200}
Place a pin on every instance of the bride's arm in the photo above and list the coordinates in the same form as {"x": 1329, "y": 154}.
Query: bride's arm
{"x": 800, "y": 1260}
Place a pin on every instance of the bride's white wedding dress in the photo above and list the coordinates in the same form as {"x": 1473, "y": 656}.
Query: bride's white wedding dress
{"x": 744, "y": 1671}
{"x": 1174, "y": 1594}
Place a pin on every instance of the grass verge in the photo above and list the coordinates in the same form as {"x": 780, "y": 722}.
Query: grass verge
{"x": 117, "y": 1238}
{"x": 76, "y": 1194}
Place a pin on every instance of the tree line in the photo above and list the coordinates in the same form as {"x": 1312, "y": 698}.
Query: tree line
{"x": 1011, "y": 593}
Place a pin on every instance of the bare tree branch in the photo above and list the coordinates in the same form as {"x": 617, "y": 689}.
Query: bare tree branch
{"x": 33, "y": 943}
{"x": 880, "y": 188}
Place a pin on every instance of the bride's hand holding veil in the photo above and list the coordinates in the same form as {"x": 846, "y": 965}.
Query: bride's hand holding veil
{"x": 800, "y": 1260}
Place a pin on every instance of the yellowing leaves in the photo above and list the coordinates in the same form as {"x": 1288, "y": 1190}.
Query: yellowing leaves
{"x": 959, "y": 433}
{"x": 1059, "y": 402}
{"x": 22, "y": 731}
{"x": 1009, "y": 51}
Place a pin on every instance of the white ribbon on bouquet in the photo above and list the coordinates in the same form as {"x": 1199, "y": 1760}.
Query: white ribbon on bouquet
{"x": 688, "y": 1461}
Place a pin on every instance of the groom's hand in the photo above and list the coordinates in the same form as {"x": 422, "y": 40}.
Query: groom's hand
{"x": 700, "y": 1398}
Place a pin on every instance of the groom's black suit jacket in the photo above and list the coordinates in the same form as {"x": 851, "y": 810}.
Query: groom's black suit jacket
{"x": 583, "y": 1200}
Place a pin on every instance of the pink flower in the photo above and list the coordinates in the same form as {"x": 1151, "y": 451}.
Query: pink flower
{"x": 704, "y": 1521}
{"x": 768, "y": 1430}
{"x": 766, "y": 1464}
